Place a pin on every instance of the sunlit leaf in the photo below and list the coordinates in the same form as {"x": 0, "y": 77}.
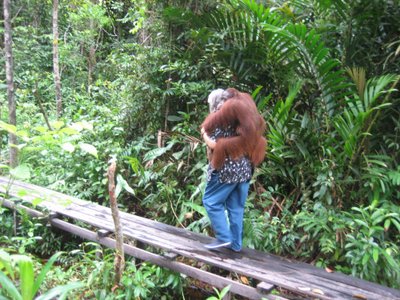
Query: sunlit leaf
{"x": 9, "y": 287}
{"x": 8, "y": 127}
{"x": 89, "y": 149}
{"x": 69, "y": 131}
{"x": 37, "y": 201}
{"x": 27, "y": 276}
{"x": 21, "y": 172}
{"x": 57, "y": 124}
{"x": 375, "y": 254}
{"x": 122, "y": 184}
{"x": 68, "y": 147}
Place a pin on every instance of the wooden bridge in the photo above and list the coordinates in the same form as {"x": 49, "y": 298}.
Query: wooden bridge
{"x": 182, "y": 251}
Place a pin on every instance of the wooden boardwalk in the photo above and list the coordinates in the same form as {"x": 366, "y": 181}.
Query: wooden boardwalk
{"x": 169, "y": 244}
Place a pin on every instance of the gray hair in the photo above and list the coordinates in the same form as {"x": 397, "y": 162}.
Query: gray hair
{"x": 216, "y": 99}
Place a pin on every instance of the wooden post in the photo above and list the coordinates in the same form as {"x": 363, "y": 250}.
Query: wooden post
{"x": 119, "y": 262}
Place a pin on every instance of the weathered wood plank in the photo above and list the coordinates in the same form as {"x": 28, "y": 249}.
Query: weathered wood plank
{"x": 265, "y": 287}
{"x": 299, "y": 277}
{"x": 217, "y": 281}
{"x": 214, "y": 280}
{"x": 276, "y": 274}
{"x": 302, "y": 285}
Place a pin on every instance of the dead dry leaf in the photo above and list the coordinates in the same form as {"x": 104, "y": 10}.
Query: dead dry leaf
{"x": 328, "y": 270}
{"x": 244, "y": 280}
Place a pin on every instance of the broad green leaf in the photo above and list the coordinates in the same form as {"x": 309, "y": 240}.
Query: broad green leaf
{"x": 69, "y": 131}
{"x": 89, "y": 149}
{"x": 387, "y": 224}
{"x": 22, "y": 193}
{"x": 26, "y": 275}
{"x": 57, "y": 124}
{"x": 135, "y": 165}
{"x": 83, "y": 125}
{"x": 44, "y": 271}
{"x": 60, "y": 291}
{"x": 9, "y": 287}
{"x": 365, "y": 258}
{"x": 5, "y": 259}
{"x": 397, "y": 224}
{"x": 153, "y": 154}
{"x": 36, "y": 201}
{"x": 8, "y": 127}
{"x": 375, "y": 254}
{"x": 21, "y": 172}
{"x": 41, "y": 129}
{"x": 172, "y": 118}
{"x": 224, "y": 291}
{"x": 122, "y": 184}
{"x": 76, "y": 127}
{"x": 68, "y": 147}
{"x": 393, "y": 263}
{"x": 198, "y": 208}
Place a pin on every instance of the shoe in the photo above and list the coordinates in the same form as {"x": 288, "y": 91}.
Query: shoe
{"x": 234, "y": 250}
{"x": 217, "y": 244}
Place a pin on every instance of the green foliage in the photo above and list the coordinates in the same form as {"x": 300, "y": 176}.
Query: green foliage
{"x": 29, "y": 285}
{"x": 94, "y": 266}
{"x": 372, "y": 246}
{"x": 135, "y": 75}
{"x": 21, "y": 234}
{"x": 220, "y": 294}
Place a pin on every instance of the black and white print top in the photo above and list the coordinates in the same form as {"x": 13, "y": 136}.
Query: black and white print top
{"x": 232, "y": 171}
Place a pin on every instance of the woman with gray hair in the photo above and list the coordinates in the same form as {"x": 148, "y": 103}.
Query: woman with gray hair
{"x": 227, "y": 188}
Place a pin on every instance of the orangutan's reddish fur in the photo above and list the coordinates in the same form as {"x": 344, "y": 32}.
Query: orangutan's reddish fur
{"x": 240, "y": 112}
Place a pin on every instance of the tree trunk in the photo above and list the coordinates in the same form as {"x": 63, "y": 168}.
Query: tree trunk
{"x": 119, "y": 262}
{"x": 92, "y": 51}
{"x": 56, "y": 67}
{"x": 12, "y": 115}
{"x": 1, "y": 18}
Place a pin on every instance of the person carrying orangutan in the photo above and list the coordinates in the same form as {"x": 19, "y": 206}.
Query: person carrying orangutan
{"x": 233, "y": 131}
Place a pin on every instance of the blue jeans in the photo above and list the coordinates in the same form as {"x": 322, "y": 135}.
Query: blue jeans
{"x": 232, "y": 197}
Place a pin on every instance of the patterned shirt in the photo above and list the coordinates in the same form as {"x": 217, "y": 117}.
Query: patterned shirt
{"x": 232, "y": 171}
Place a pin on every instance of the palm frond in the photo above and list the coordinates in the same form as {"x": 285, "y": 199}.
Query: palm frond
{"x": 305, "y": 50}
{"x": 240, "y": 36}
{"x": 358, "y": 76}
{"x": 279, "y": 127}
{"x": 323, "y": 8}
{"x": 356, "y": 121}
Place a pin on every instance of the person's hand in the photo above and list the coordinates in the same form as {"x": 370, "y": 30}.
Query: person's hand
{"x": 202, "y": 131}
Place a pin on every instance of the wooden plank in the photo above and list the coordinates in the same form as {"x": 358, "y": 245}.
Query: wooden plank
{"x": 288, "y": 280}
{"x": 214, "y": 280}
{"x": 265, "y": 287}
{"x": 261, "y": 266}
{"x": 11, "y": 205}
{"x": 103, "y": 233}
{"x": 170, "y": 255}
{"x": 297, "y": 285}
{"x": 300, "y": 283}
